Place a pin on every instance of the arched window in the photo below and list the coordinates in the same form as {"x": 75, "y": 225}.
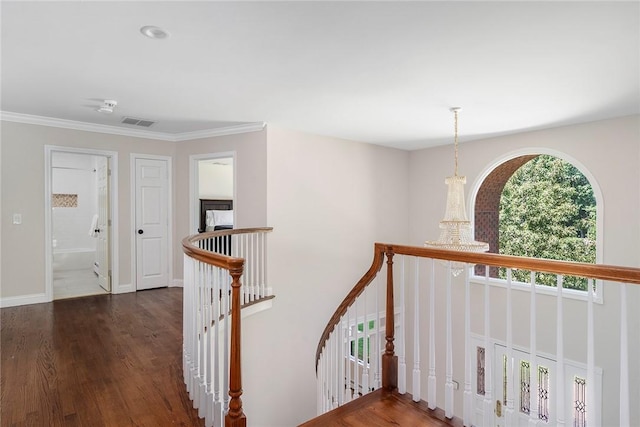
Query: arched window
{"x": 540, "y": 206}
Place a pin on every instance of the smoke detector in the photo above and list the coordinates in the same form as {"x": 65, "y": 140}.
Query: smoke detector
{"x": 107, "y": 106}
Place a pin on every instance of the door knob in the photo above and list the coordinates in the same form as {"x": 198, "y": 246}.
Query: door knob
{"x": 140, "y": 231}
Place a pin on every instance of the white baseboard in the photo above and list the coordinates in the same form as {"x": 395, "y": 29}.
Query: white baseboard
{"x": 123, "y": 289}
{"x": 23, "y": 300}
{"x": 177, "y": 283}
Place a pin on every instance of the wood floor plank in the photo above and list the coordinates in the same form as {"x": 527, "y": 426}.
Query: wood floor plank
{"x": 106, "y": 360}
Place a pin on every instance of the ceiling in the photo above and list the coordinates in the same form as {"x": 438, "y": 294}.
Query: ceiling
{"x": 378, "y": 72}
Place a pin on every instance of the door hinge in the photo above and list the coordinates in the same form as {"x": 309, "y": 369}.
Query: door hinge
{"x": 109, "y": 222}
{"x": 108, "y": 172}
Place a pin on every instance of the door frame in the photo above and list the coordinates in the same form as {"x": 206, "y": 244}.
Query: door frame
{"x": 194, "y": 185}
{"x": 134, "y": 251}
{"x": 48, "y": 217}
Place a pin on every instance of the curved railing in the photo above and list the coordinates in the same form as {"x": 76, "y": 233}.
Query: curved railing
{"x": 213, "y": 297}
{"x": 356, "y": 354}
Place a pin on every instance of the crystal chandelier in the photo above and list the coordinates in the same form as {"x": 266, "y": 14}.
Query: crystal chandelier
{"x": 455, "y": 228}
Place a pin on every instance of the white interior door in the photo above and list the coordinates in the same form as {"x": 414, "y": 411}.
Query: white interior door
{"x": 103, "y": 229}
{"x": 524, "y": 392}
{"x": 151, "y": 223}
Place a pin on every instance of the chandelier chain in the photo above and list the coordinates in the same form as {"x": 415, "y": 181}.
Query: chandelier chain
{"x": 455, "y": 138}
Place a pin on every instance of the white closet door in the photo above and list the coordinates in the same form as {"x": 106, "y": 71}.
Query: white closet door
{"x": 151, "y": 223}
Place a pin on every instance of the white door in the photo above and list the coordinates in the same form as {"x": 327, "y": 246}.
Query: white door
{"x": 103, "y": 229}
{"x": 151, "y": 223}
{"x": 524, "y": 392}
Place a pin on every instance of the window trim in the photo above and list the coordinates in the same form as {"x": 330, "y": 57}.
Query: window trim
{"x": 597, "y": 193}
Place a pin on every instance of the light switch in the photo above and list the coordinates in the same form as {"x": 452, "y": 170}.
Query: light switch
{"x": 17, "y": 219}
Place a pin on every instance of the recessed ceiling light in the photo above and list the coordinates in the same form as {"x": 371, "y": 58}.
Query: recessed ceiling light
{"x": 154, "y": 32}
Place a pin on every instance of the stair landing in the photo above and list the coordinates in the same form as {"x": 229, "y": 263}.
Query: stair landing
{"x": 382, "y": 408}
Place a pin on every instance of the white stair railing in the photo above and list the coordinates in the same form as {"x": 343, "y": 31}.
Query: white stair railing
{"x": 515, "y": 372}
{"x": 212, "y": 299}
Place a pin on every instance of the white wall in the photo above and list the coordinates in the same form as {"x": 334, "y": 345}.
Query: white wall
{"x": 216, "y": 180}
{"x": 328, "y": 200}
{"x": 23, "y": 192}
{"x": 250, "y": 204}
{"x": 610, "y": 150}
{"x": 74, "y": 174}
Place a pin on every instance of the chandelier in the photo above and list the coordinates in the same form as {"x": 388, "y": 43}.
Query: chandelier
{"x": 455, "y": 228}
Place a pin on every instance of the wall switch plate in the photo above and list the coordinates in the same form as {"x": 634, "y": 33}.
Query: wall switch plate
{"x": 17, "y": 218}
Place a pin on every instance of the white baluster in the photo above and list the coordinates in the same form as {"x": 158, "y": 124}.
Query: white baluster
{"x": 339, "y": 331}
{"x": 204, "y": 344}
{"x": 431, "y": 381}
{"x": 365, "y": 347}
{"x": 187, "y": 315}
{"x": 488, "y": 415}
{"x": 511, "y": 384}
{"x": 217, "y": 312}
{"x": 356, "y": 369}
{"x": 348, "y": 395}
{"x": 252, "y": 261}
{"x": 198, "y": 358}
{"x": 560, "y": 383}
{"x": 416, "y": 334}
{"x": 269, "y": 289}
{"x": 261, "y": 282}
{"x": 448, "y": 385}
{"x": 591, "y": 376}
{"x": 402, "y": 364}
{"x": 468, "y": 408}
{"x": 338, "y": 387}
{"x": 625, "y": 419}
{"x": 377, "y": 379}
{"x": 533, "y": 359}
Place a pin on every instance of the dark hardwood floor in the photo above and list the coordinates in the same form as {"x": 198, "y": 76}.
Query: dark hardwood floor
{"x": 108, "y": 360}
{"x": 383, "y": 409}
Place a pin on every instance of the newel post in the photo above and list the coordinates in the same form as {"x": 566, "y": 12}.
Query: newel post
{"x": 235, "y": 417}
{"x": 389, "y": 359}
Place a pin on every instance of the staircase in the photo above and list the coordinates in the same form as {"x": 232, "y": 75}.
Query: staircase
{"x": 428, "y": 346}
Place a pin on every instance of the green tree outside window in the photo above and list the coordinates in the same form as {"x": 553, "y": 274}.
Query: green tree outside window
{"x": 548, "y": 210}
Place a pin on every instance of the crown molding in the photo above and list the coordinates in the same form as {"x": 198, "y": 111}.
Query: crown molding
{"x": 114, "y": 130}
{"x": 227, "y": 130}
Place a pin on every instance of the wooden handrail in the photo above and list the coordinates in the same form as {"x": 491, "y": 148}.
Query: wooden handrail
{"x": 219, "y": 260}
{"x": 614, "y": 273}
{"x": 376, "y": 265}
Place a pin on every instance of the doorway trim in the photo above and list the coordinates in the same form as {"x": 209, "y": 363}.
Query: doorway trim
{"x": 132, "y": 176}
{"x": 194, "y": 185}
{"x": 113, "y": 206}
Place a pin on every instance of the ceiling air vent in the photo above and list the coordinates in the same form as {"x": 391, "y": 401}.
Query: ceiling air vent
{"x": 137, "y": 122}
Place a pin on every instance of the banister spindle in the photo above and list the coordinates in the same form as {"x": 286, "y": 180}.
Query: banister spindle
{"x": 560, "y": 380}
{"x": 511, "y": 384}
{"x": 431, "y": 384}
{"x": 591, "y": 375}
{"x": 402, "y": 365}
{"x": 488, "y": 356}
{"x": 416, "y": 335}
{"x": 448, "y": 394}
{"x": 467, "y": 409}
{"x": 389, "y": 359}
{"x": 625, "y": 419}
{"x": 533, "y": 357}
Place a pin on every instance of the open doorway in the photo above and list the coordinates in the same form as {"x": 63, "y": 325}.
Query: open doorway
{"x": 212, "y": 179}
{"x": 79, "y": 225}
